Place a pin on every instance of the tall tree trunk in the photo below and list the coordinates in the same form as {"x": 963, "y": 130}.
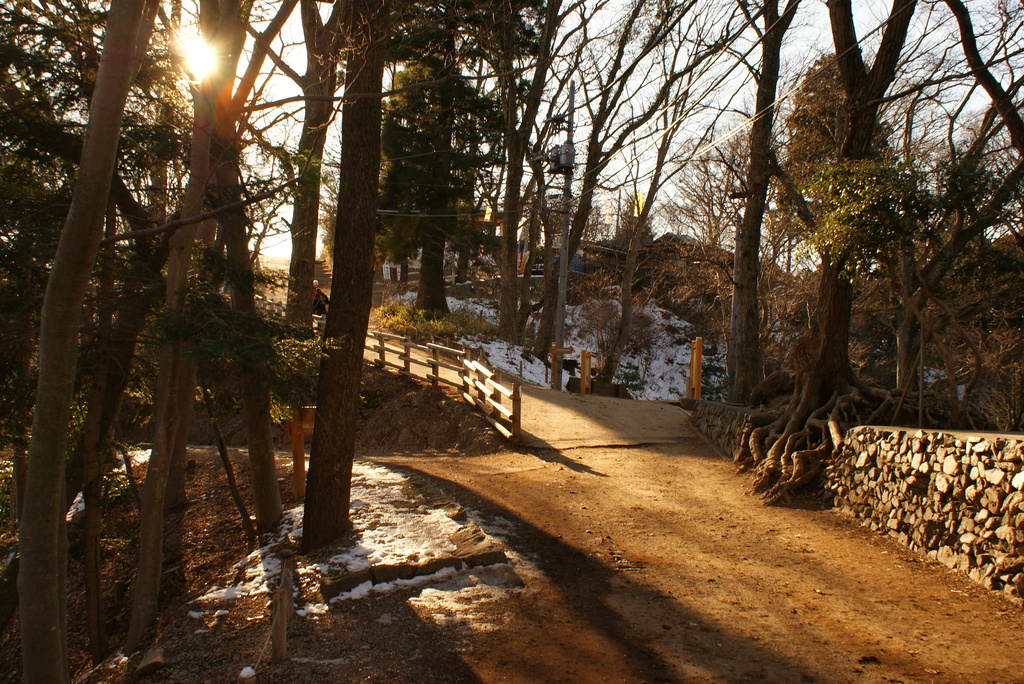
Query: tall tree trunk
{"x": 830, "y": 326}
{"x": 266, "y": 494}
{"x": 744, "y": 367}
{"x": 431, "y": 293}
{"x": 319, "y": 83}
{"x": 170, "y": 384}
{"x": 824, "y": 380}
{"x": 328, "y": 493}
{"x": 518, "y": 128}
{"x": 42, "y": 537}
{"x": 117, "y": 338}
{"x": 435, "y": 230}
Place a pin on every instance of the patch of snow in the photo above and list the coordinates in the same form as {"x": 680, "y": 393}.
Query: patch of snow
{"x": 460, "y": 602}
{"x": 475, "y": 307}
{"x": 388, "y": 528}
{"x": 660, "y": 372}
{"x": 312, "y": 609}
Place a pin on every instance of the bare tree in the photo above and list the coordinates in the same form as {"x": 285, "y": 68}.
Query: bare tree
{"x": 218, "y": 109}
{"x": 42, "y": 536}
{"x": 521, "y": 101}
{"x": 789, "y": 452}
{"x": 319, "y": 83}
{"x": 624, "y": 90}
{"x": 744, "y": 362}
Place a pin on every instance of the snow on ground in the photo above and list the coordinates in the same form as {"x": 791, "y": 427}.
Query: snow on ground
{"x": 391, "y": 525}
{"x": 657, "y": 371}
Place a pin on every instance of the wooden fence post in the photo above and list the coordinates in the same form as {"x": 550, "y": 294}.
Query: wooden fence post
{"x": 517, "y": 411}
{"x": 282, "y": 606}
{"x": 694, "y": 381}
{"x": 436, "y": 355}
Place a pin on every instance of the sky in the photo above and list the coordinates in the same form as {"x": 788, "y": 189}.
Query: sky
{"x": 808, "y": 37}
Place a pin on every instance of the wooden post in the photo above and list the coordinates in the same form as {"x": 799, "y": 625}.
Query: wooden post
{"x": 478, "y": 377}
{"x": 406, "y": 345}
{"x": 436, "y": 355}
{"x": 694, "y": 381}
{"x": 496, "y": 398}
{"x": 281, "y": 608}
{"x": 298, "y": 453}
{"x": 556, "y": 354}
{"x": 517, "y": 411}
{"x": 585, "y": 367}
{"x": 381, "y": 350}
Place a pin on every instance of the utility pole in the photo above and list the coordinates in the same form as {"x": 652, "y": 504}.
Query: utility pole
{"x": 562, "y": 161}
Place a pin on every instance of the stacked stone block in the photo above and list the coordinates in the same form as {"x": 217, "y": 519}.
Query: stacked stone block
{"x": 956, "y": 497}
{"x": 724, "y": 424}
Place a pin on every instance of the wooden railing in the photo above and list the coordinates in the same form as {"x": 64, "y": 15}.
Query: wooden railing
{"x": 500, "y": 403}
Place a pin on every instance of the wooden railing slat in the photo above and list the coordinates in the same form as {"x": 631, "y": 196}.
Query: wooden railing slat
{"x": 477, "y": 382}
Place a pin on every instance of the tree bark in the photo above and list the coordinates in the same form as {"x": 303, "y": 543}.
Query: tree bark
{"x": 431, "y": 293}
{"x": 42, "y": 537}
{"x": 169, "y": 383}
{"x": 744, "y": 359}
{"x": 612, "y": 356}
{"x": 328, "y": 493}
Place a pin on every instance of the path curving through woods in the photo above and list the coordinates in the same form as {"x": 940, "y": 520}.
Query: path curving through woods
{"x": 653, "y": 563}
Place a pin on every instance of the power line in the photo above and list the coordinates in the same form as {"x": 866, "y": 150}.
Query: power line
{"x": 416, "y": 214}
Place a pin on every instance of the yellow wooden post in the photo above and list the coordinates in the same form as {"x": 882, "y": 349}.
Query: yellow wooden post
{"x": 585, "y": 366}
{"x": 696, "y": 350}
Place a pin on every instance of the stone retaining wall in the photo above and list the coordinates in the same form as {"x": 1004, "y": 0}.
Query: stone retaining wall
{"x": 956, "y": 497}
{"x": 724, "y": 424}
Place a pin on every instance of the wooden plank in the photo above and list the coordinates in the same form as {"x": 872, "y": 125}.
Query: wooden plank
{"x": 450, "y": 383}
{"x": 493, "y": 421}
{"x": 517, "y": 412}
{"x": 478, "y": 367}
{"x": 485, "y": 403}
{"x": 442, "y": 364}
{"x": 446, "y": 350}
{"x": 499, "y": 387}
{"x": 412, "y": 360}
{"x": 501, "y": 408}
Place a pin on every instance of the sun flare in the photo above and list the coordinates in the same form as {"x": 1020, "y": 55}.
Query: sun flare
{"x": 200, "y": 58}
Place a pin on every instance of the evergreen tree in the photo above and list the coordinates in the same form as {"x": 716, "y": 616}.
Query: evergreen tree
{"x": 441, "y": 132}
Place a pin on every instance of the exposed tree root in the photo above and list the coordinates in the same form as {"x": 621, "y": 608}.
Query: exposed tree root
{"x": 790, "y": 452}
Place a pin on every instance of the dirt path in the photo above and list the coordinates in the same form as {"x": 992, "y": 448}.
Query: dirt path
{"x": 560, "y": 420}
{"x": 655, "y": 565}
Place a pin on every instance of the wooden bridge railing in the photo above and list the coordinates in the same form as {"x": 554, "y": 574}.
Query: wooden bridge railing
{"x": 499, "y": 402}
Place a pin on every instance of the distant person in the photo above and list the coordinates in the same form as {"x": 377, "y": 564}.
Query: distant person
{"x": 320, "y": 300}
